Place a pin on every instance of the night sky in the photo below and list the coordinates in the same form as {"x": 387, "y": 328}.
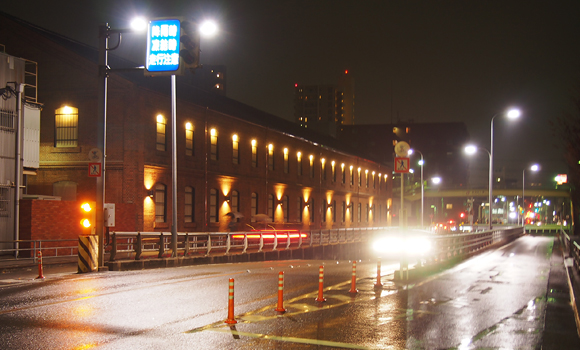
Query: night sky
{"x": 425, "y": 61}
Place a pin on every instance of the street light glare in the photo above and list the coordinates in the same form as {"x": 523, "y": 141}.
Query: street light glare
{"x": 436, "y": 180}
{"x": 410, "y": 151}
{"x": 138, "y": 24}
{"x": 470, "y": 149}
{"x": 535, "y": 167}
{"x": 514, "y": 113}
{"x": 208, "y": 28}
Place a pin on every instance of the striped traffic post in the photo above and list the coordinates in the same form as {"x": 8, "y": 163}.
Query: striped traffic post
{"x": 280, "y": 307}
{"x": 320, "y": 298}
{"x": 353, "y": 283}
{"x": 88, "y": 253}
{"x": 40, "y": 274}
{"x": 230, "y": 319}
{"x": 379, "y": 284}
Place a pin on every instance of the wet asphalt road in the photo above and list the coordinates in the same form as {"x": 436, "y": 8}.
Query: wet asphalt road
{"x": 496, "y": 300}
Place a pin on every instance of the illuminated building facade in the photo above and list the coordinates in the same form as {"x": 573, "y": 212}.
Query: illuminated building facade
{"x": 231, "y": 158}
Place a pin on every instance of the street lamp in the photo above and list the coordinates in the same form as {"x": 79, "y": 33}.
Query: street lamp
{"x": 534, "y": 168}
{"x": 471, "y": 150}
{"x": 421, "y": 162}
{"x": 511, "y": 114}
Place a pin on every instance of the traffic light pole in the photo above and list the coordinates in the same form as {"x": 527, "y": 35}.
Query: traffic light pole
{"x": 102, "y": 139}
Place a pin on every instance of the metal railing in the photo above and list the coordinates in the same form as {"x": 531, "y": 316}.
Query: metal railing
{"x": 572, "y": 248}
{"x": 139, "y": 245}
{"x": 27, "y": 250}
{"x": 461, "y": 244}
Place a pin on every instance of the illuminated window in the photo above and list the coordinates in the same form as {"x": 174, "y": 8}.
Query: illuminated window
{"x": 323, "y": 168}
{"x": 213, "y": 205}
{"x": 333, "y": 171}
{"x": 368, "y": 210}
{"x": 351, "y": 176}
{"x": 286, "y": 161}
{"x": 270, "y": 157}
{"x": 235, "y": 150}
{"x": 359, "y": 178}
{"x": 271, "y": 207}
{"x": 213, "y": 148}
{"x": 66, "y": 127}
{"x": 161, "y": 136}
{"x": 343, "y": 211}
{"x": 160, "y": 199}
{"x": 188, "y": 139}
{"x": 188, "y": 204}
{"x": 367, "y": 178}
{"x": 311, "y": 166}
{"x": 286, "y": 207}
{"x": 254, "y": 153}
{"x": 254, "y": 206}
{"x": 343, "y": 173}
{"x": 299, "y": 164}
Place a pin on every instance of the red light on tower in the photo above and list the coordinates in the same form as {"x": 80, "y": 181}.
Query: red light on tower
{"x": 346, "y": 71}
{"x": 295, "y": 85}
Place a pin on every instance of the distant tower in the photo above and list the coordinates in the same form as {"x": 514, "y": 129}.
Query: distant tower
{"x": 325, "y": 108}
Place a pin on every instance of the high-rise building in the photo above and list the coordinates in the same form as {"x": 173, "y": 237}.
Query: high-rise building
{"x": 325, "y": 108}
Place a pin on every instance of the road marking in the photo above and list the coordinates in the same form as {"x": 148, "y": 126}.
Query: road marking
{"x": 290, "y": 339}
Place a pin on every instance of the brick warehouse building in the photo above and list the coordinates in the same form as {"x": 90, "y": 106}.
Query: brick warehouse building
{"x": 231, "y": 157}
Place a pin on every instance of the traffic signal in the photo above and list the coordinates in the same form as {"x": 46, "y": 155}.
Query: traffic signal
{"x": 88, "y": 210}
{"x": 189, "y": 50}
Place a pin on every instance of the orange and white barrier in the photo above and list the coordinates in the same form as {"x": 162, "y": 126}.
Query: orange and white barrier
{"x": 379, "y": 284}
{"x": 353, "y": 283}
{"x": 230, "y": 319}
{"x": 280, "y": 307}
{"x": 320, "y": 298}
{"x": 40, "y": 275}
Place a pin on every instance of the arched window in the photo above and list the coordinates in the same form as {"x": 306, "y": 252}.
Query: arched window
{"x": 189, "y": 204}
{"x": 235, "y": 204}
{"x": 254, "y": 206}
{"x": 271, "y": 207}
{"x": 286, "y": 207}
{"x": 213, "y": 205}
{"x": 160, "y": 203}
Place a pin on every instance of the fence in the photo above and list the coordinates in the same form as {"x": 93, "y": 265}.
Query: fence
{"x": 139, "y": 245}
{"x": 27, "y": 250}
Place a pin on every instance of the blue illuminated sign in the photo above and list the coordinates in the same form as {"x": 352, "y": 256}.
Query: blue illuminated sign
{"x": 163, "y": 45}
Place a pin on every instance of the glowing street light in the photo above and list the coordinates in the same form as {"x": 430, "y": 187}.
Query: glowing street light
{"x": 208, "y": 28}
{"x": 471, "y": 150}
{"x": 534, "y": 168}
{"x": 511, "y": 114}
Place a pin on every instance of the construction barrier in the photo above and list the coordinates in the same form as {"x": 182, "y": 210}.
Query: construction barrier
{"x": 88, "y": 252}
{"x": 280, "y": 307}
{"x": 321, "y": 297}
{"x": 230, "y": 319}
{"x": 353, "y": 283}
{"x": 379, "y": 284}
{"x": 40, "y": 274}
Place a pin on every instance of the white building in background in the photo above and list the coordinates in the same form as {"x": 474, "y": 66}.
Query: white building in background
{"x": 19, "y": 138}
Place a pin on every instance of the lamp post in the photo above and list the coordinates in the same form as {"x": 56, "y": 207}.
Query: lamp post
{"x": 511, "y": 114}
{"x": 534, "y": 167}
{"x": 105, "y": 32}
{"x": 470, "y": 150}
{"x": 421, "y": 162}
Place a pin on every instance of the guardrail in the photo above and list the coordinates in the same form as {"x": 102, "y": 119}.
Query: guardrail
{"x": 572, "y": 247}
{"x": 449, "y": 246}
{"x": 139, "y": 245}
{"x": 27, "y": 250}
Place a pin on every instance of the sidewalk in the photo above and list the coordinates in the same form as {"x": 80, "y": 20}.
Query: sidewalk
{"x": 560, "y": 328}
{"x": 26, "y": 269}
